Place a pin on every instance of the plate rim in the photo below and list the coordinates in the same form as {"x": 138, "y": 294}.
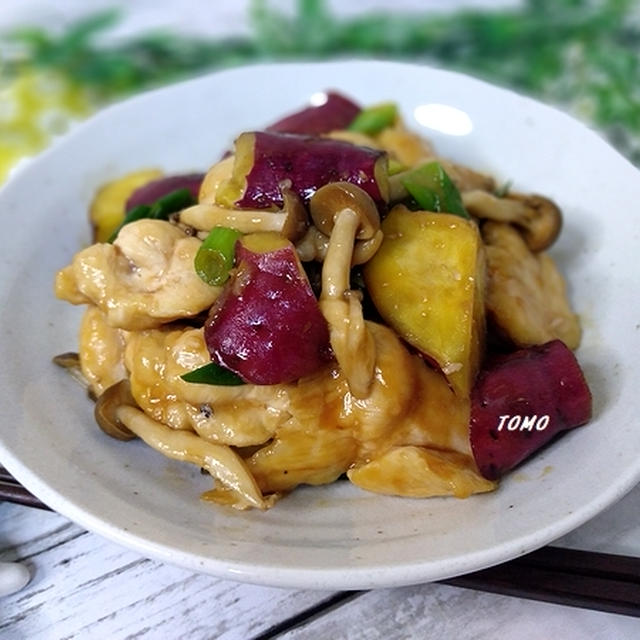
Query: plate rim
{"x": 357, "y": 578}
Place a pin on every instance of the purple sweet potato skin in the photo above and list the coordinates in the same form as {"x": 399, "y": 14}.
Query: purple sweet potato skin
{"x": 537, "y": 381}
{"x": 152, "y": 191}
{"x": 308, "y": 163}
{"x": 267, "y": 326}
{"x": 338, "y": 112}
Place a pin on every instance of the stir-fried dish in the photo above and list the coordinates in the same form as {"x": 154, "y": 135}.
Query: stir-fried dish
{"x": 332, "y": 298}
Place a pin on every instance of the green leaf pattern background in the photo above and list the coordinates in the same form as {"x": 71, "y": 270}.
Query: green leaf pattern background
{"x": 582, "y": 55}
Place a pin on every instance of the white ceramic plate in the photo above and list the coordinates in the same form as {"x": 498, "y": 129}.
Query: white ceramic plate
{"x": 331, "y": 537}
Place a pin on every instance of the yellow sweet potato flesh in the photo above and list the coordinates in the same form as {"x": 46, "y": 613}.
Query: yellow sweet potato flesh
{"x": 229, "y": 191}
{"x": 108, "y": 206}
{"x": 427, "y": 281}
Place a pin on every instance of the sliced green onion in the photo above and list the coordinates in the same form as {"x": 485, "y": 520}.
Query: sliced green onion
{"x": 174, "y": 201}
{"x": 395, "y": 167}
{"x": 374, "y": 119}
{"x": 433, "y": 190}
{"x": 213, "y": 373}
{"x": 161, "y": 209}
{"x": 214, "y": 258}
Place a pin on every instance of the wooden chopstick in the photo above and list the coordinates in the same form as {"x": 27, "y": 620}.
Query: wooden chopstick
{"x": 12, "y": 491}
{"x": 587, "y": 579}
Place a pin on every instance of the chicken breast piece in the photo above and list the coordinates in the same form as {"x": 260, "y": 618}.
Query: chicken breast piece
{"x": 144, "y": 279}
{"x": 526, "y": 294}
{"x": 410, "y": 407}
{"x": 419, "y": 472}
{"x": 245, "y": 415}
{"x": 101, "y": 351}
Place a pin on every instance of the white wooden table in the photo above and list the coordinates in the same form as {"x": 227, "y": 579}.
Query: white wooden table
{"x": 84, "y": 586}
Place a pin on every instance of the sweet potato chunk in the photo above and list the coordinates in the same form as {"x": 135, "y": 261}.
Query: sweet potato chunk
{"x": 522, "y": 401}
{"x": 336, "y": 113}
{"x": 265, "y": 161}
{"x": 109, "y": 204}
{"x": 266, "y": 326}
{"x": 427, "y": 282}
{"x": 156, "y": 189}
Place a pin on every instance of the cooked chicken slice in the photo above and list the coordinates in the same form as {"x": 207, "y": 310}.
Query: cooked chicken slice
{"x": 331, "y": 431}
{"x": 418, "y": 472}
{"x": 101, "y": 351}
{"x": 324, "y": 401}
{"x": 243, "y": 415}
{"x": 66, "y": 287}
{"x": 526, "y": 294}
{"x": 143, "y": 280}
{"x": 302, "y": 455}
{"x": 407, "y": 147}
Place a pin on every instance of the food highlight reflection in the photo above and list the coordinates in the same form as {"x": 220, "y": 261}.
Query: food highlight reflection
{"x": 318, "y": 98}
{"x": 444, "y": 118}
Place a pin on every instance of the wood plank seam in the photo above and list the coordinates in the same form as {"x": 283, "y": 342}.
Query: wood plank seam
{"x": 308, "y": 615}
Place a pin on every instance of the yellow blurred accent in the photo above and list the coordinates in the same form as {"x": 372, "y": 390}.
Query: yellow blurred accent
{"x": 34, "y": 107}
{"x": 108, "y": 207}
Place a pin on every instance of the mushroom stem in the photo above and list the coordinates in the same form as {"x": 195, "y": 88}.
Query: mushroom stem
{"x": 206, "y": 216}
{"x": 314, "y": 244}
{"x": 347, "y": 213}
{"x": 483, "y": 204}
{"x": 106, "y": 410}
{"x": 351, "y": 341}
{"x": 337, "y": 263}
{"x": 220, "y": 461}
{"x": 290, "y": 222}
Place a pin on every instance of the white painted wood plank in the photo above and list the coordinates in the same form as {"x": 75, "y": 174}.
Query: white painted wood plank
{"x": 87, "y": 587}
{"x": 440, "y": 611}
{"x": 84, "y": 586}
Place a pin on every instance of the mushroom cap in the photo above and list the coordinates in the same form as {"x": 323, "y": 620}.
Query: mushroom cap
{"x": 296, "y": 221}
{"x": 536, "y": 217}
{"x": 328, "y": 201}
{"x": 115, "y": 396}
{"x": 543, "y": 221}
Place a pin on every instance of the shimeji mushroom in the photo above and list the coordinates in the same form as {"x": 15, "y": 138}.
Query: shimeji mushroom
{"x": 106, "y": 407}
{"x": 345, "y": 213}
{"x": 290, "y": 222}
{"x": 537, "y": 218}
{"x": 314, "y": 245}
